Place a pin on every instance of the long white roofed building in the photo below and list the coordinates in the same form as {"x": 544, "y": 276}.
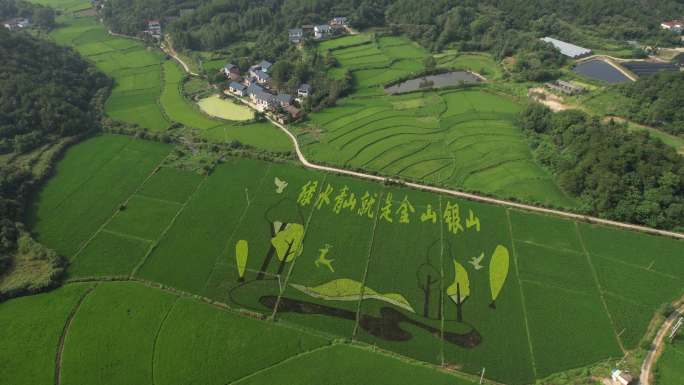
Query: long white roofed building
{"x": 567, "y": 49}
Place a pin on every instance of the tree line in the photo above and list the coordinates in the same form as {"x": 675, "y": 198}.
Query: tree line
{"x": 657, "y": 100}
{"x": 617, "y": 174}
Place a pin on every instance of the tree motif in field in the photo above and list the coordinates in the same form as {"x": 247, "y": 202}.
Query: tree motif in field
{"x": 287, "y": 235}
{"x": 429, "y": 277}
{"x": 241, "y": 254}
{"x": 498, "y": 272}
{"x": 459, "y": 290}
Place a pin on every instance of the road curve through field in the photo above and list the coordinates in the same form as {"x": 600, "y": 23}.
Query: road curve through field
{"x": 469, "y": 196}
{"x": 654, "y": 353}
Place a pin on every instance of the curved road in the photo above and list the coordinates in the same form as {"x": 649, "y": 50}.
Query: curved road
{"x": 654, "y": 353}
{"x": 469, "y": 196}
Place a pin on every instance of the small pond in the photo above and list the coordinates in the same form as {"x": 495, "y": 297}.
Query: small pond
{"x": 600, "y": 70}
{"x": 433, "y": 81}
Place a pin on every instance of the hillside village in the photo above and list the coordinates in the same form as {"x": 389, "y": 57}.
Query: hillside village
{"x": 255, "y": 87}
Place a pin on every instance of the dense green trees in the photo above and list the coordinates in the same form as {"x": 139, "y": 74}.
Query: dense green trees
{"x": 657, "y": 100}
{"x": 622, "y": 175}
{"x": 40, "y": 15}
{"x": 46, "y": 93}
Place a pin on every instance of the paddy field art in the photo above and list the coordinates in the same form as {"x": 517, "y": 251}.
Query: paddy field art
{"x": 169, "y": 256}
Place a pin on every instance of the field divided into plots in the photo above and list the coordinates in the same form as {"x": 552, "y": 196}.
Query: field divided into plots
{"x": 464, "y": 138}
{"x": 147, "y": 90}
{"x": 429, "y": 277}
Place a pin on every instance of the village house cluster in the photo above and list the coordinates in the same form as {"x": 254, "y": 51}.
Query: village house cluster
{"x": 17, "y": 23}
{"x": 256, "y": 86}
{"x": 336, "y": 26}
{"x": 673, "y": 25}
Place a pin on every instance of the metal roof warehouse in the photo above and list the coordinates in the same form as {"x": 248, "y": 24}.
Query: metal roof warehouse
{"x": 568, "y": 49}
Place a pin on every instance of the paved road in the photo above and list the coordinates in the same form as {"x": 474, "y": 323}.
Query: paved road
{"x": 473, "y": 197}
{"x": 652, "y": 356}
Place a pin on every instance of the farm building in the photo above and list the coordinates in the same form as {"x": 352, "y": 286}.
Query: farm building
{"x": 565, "y": 87}
{"x": 284, "y": 99}
{"x": 673, "y": 25}
{"x": 230, "y": 68}
{"x": 262, "y": 77}
{"x": 567, "y": 49}
{"x": 621, "y": 378}
{"x": 154, "y": 28}
{"x": 322, "y": 31}
{"x": 338, "y": 21}
{"x": 264, "y": 101}
{"x": 237, "y": 89}
{"x": 295, "y": 35}
{"x": 304, "y": 91}
{"x": 17, "y": 23}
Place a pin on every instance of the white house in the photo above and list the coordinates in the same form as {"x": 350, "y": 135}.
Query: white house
{"x": 673, "y": 25}
{"x": 263, "y": 101}
{"x": 322, "y": 31}
{"x": 230, "y": 68}
{"x": 338, "y": 21}
{"x": 17, "y": 23}
{"x": 262, "y": 77}
{"x": 304, "y": 91}
{"x": 237, "y": 89}
{"x": 296, "y": 35}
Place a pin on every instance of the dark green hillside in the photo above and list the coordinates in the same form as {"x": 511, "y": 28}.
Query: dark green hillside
{"x": 47, "y": 94}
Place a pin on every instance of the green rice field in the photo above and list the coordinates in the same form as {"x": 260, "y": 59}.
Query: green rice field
{"x": 147, "y": 90}
{"x": 670, "y": 367}
{"x": 427, "y": 277}
{"x": 462, "y": 138}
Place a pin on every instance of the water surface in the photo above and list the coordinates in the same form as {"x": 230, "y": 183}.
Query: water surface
{"x": 438, "y": 81}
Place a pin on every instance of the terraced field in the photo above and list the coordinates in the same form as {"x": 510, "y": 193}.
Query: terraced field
{"x": 440, "y": 280}
{"x": 464, "y": 138}
{"x": 147, "y": 89}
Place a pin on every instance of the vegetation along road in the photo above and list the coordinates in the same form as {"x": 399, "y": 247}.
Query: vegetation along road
{"x": 656, "y": 349}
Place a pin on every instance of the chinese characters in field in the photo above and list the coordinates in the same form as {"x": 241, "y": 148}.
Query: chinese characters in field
{"x": 388, "y": 208}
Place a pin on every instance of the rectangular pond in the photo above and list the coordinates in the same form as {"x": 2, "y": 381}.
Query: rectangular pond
{"x": 600, "y": 70}
{"x": 448, "y": 79}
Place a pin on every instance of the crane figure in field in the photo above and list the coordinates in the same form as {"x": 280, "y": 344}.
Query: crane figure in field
{"x": 322, "y": 260}
{"x": 280, "y": 185}
{"x": 476, "y": 262}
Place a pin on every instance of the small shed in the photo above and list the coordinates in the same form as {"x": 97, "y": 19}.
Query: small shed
{"x": 621, "y": 378}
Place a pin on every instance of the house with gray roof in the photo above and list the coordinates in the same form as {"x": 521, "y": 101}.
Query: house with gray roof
{"x": 296, "y": 35}
{"x": 237, "y": 89}
{"x": 304, "y": 91}
{"x": 284, "y": 99}
{"x": 262, "y": 77}
{"x": 322, "y": 31}
{"x": 567, "y": 49}
{"x": 264, "y": 101}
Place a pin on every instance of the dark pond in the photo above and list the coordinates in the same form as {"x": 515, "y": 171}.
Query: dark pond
{"x": 600, "y": 70}
{"x": 433, "y": 81}
{"x": 644, "y": 68}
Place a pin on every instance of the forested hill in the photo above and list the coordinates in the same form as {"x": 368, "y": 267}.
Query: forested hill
{"x": 500, "y": 26}
{"x": 657, "y": 100}
{"x": 46, "y": 91}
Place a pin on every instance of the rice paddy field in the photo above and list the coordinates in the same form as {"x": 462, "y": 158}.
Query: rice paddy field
{"x": 430, "y": 278}
{"x": 670, "y": 367}
{"x": 460, "y": 138}
{"x": 147, "y": 89}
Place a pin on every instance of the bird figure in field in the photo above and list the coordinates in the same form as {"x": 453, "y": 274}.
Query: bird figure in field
{"x": 280, "y": 185}
{"x": 476, "y": 262}
{"x": 322, "y": 260}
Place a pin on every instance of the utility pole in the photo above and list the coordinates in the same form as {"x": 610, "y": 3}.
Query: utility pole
{"x": 482, "y": 375}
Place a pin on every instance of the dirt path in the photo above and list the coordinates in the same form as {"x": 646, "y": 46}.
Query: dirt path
{"x": 168, "y": 49}
{"x": 469, "y": 196}
{"x": 657, "y": 348}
